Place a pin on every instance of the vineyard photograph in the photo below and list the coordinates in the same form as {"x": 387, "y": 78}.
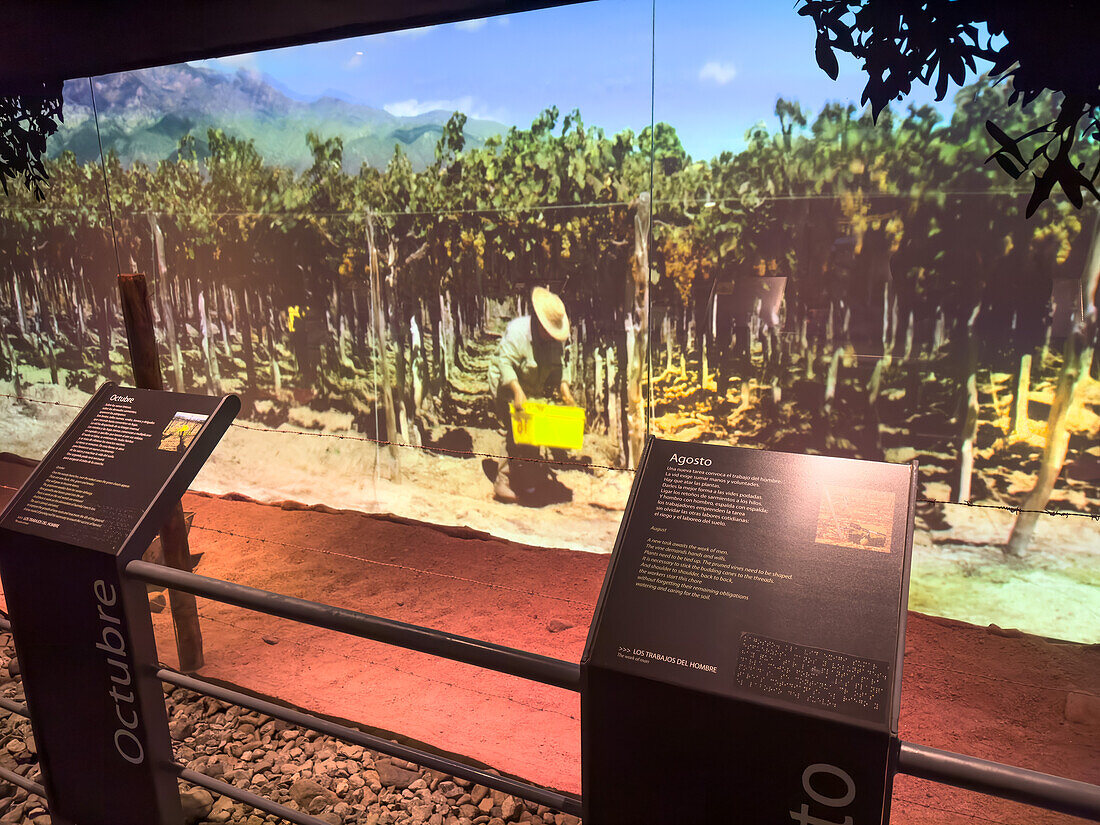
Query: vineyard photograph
{"x": 818, "y": 281}
{"x": 459, "y": 276}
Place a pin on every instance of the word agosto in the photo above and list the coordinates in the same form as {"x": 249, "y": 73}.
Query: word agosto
{"x": 689, "y": 459}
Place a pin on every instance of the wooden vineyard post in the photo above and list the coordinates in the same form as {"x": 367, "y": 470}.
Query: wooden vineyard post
{"x": 1019, "y": 401}
{"x": 166, "y": 310}
{"x": 210, "y": 355}
{"x": 1078, "y": 356}
{"x": 637, "y": 334}
{"x": 382, "y": 362}
{"x": 17, "y": 298}
{"x": 173, "y": 535}
{"x": 1076, "y": 365}
{"x": 970, "y": 420}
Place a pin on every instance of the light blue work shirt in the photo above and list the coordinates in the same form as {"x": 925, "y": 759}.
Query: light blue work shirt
{"x": 537, "y": 363}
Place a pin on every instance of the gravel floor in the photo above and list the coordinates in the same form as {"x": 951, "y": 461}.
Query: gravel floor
{"x": 337, "y": 782}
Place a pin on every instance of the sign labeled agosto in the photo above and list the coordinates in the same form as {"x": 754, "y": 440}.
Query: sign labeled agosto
{"x": 752, "y": 622}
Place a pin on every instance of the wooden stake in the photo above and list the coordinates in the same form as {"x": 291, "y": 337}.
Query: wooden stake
{"x": 137, "y": 314}
{"x": 173, "y": 535}
{"x": 167, "y": 311}
{"x": 19, "y": 314}
{"x": 1076, "y": 365}
{"x": 272, "y": 347}
{"x": 383, "y": 362}
{"x": 1020, "y": 396}
{"x": 637, "y": 333}
{"x": 970, "y": 419}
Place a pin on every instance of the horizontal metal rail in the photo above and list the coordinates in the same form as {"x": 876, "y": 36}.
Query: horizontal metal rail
{"x": 247, "y": 797}
{"x": 991, "y": 778}
{"x": 14, "y": 707}
{"x": 22, "y": 782}
{"x": 487, "y": 655}
{"x": 551, "y": 799}
{"x": 1056, "y": 793}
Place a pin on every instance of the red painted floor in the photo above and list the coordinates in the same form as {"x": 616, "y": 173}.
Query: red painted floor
{"x": 998, "y": 695}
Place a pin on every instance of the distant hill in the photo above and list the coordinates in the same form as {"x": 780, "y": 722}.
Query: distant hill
{"x": 143, "y": 115}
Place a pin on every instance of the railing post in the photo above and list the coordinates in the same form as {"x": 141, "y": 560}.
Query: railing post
{"x": 142, "y": 341}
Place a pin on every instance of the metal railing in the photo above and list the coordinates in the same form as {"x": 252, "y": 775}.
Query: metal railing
{"x": 1004, "y": 781}
{"x": 22, "y": 782}
{"x": 1055, "y": 793}
{"x": 475, "y": 652}
{"x": 1020, "y": 785}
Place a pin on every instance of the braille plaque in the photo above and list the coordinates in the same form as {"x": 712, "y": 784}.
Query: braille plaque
{"x": 812, "y": 676}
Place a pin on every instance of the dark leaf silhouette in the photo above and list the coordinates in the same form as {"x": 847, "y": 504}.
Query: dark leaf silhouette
{"x": 1007, "y": 143}
{"x": 1008, "y": 165}
{"x": 23, "y": 147}
{"x": 941, "y": 84}
{"x": 1040, "y": 47}
{"x": 1043, "y": 187}
{"x": 825, "y": 57}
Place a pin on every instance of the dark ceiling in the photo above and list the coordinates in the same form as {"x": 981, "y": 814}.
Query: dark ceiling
{"x": 48, "y": 40}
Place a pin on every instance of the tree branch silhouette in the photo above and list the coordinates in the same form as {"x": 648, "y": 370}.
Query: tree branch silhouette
{"x": 1036, "y": 46}
{"x": 25, "y": 122}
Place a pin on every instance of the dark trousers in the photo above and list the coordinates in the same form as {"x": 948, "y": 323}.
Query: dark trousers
{"x": 521, "y": 474}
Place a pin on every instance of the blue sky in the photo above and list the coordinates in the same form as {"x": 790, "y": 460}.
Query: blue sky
{"x": 710, "y": 68}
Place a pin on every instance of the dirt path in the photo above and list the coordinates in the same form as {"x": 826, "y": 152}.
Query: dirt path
{"x": 999, "y": 695}
{"x": 318, "y": 458}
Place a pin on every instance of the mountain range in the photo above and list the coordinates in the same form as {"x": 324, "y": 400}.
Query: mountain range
{"x": 143, "y": 115}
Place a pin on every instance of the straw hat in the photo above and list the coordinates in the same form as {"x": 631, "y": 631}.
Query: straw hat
{"x": 551, "y": 313}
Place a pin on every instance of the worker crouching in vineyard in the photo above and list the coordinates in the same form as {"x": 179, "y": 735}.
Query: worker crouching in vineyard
{"x": 530, "y": 360}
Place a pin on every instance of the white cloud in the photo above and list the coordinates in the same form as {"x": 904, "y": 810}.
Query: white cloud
{"x": 229, "y": 64}
{"x": 413, "y": 107}
{"x": 353, "y": 61}
{"x": 720, "y": 73}
{"x": 471, "y": 25}
{"x": 467, "y": 104}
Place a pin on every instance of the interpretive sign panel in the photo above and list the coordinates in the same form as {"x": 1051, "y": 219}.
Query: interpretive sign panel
{"x": 111, "y": 464}
{"x": 756, "y": 599}
{"x": 82, "y": 630}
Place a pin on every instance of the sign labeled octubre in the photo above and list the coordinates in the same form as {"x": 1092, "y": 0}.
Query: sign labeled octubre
{"x": 86, "y": 652}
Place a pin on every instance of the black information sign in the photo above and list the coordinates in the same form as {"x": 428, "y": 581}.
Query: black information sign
{"x": 82, "y": 630}
{"x": 751, "y": 623}
{"x": 103, "y": 474}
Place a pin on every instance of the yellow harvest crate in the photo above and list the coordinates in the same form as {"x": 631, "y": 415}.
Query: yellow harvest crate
{"x": 549, "y": 425}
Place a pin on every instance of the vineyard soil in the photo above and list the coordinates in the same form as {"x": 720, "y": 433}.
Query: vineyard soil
{"x": 318, "y": 457}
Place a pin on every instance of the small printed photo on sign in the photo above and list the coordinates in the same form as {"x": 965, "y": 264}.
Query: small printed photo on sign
{"x": 180, "y": 432}
{"x": 855, "y": 517}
